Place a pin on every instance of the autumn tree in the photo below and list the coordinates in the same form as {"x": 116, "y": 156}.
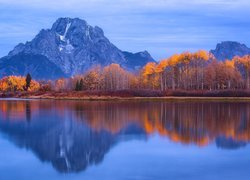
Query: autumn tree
{"x": 243, "y": 65}
{"x": 149, "y": 75}
{"x": 232, "y": 75}
{"x": 91, "y": 80}
{"x": 186, "y": 71}
{"x": 173, "y": 70}
{"x": 210, "y": 76}
{"x": 115, "y": 77}
{"x": 17, "y": 83}
{"x": 34, "y": 86}
{"x": 200, "y": 58}
{"x": 45, "y": 86}
{"x": 60, "y": 84}
{"x": 4, "y": 86}
{"x": 161, "y": 71}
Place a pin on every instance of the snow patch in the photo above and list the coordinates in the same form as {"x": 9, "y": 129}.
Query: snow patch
{"x": 87, "y": 32}
{"x": 67, "y": 28}
{"x": 69, "y": 47}
{"x": 63, "y": 37}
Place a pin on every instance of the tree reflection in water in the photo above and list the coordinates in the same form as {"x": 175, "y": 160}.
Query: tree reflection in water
{"x": 73, "y": 135}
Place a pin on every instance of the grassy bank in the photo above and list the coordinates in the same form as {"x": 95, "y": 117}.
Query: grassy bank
{"x": 133, "y": 95}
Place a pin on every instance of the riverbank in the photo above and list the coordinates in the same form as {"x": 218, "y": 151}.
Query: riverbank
{"x": 169, "y": 98}
{"x": 124, "y": 95}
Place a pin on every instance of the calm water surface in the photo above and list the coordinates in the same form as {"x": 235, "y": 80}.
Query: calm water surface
{"x": 124, "y": 140}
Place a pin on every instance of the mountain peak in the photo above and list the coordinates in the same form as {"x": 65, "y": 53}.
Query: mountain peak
{"x": 230, "y": 45}
{"x": 63, "y": 23}
{"x": 74, "y": 46}
{"x": 229, "y": 49}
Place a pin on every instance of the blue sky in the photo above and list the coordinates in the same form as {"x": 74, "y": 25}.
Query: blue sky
{"x": 162, "y": 27}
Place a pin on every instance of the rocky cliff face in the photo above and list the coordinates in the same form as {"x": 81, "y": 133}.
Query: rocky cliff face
{"x": 229, "y": 49}
{"x": 74, "y": 47}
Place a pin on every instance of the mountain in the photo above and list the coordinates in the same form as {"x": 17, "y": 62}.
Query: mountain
{"x": 38, "y": 65}
{"x": 70, "y": 145}
{"x": 229, "y": 49}
{"x": 137, "y": 60}
{"x": 73, "y": 46}
{"x": 229, "y": 143}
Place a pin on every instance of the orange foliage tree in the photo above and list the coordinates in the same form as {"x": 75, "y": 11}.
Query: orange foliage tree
{"x": 17, "y": 83}
{"x": 186, "y": 71}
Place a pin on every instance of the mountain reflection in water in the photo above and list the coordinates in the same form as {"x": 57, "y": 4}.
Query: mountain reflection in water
{"x": 73, "y": 135}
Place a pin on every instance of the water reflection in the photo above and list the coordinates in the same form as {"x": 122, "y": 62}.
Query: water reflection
{"x": 73, "y": 135}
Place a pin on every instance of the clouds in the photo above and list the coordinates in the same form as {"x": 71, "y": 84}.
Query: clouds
{"x": 125, "y": 4}
{"x": 162, "y": 27}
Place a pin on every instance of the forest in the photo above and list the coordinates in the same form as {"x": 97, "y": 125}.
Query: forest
{"x": 184, "y": 74}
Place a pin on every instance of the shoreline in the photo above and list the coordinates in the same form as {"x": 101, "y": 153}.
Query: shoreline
{"x": 129, "y": 95}
{"x": 118, "y": 98}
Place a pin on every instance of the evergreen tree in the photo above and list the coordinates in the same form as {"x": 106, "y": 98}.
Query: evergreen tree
{"x": 77, "y": 86}
{"x": 28, "y": 81}
{"x": 81, "y": 85}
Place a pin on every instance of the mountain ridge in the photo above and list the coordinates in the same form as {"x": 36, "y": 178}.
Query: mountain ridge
{"x": 229, "y": 49}
{"x": 74, "y": 46}
{"x": 71, "y": 46}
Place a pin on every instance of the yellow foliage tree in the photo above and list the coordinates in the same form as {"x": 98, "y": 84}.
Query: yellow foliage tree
{"x": 17, "y": 83}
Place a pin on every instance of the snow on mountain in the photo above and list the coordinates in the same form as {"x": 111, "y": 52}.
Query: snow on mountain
{"x": 74, "y": 47}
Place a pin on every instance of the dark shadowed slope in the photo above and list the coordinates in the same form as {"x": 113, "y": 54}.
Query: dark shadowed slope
{"x": 37, "y": 65}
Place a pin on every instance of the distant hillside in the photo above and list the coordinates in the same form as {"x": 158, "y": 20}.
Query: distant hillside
{"x": 39, "y": 66}
{"x": 229, "y": 49}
